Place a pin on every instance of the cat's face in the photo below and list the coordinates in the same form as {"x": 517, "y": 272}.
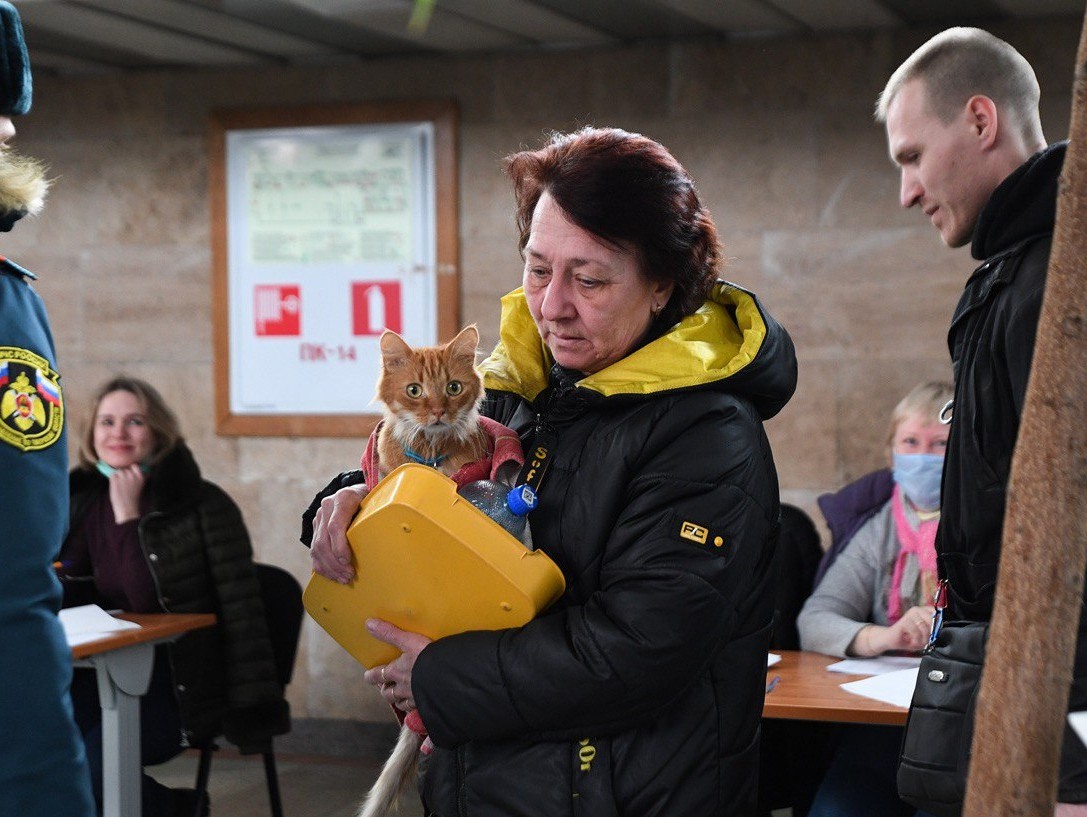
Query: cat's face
{"x": 433, "y": 390}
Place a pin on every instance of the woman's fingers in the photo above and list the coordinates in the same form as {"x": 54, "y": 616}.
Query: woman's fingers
{"x": 329, "y": 550}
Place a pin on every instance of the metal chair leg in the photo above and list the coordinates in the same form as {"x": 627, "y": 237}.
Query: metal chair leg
{"x": 203, "y": 770}
{"x": 273, "y": 783}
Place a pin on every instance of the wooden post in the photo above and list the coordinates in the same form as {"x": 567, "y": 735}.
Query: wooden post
{"x": 1028, "y": 667}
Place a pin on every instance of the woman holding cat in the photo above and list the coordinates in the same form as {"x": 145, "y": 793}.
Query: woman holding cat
{"x": 149, "y": 535}
{"x": 647, "y": 380}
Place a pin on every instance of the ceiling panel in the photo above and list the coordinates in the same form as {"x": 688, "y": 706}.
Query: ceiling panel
{"x": 629, "y": 19}
{"x": 134, "y": 35}
{"x": 1041, "y": 8}
{"x": 444, "y": 30}
{"x": 839, "y": 15}
{"x": 160, "y": 44}
{"x": 532, "y": 22}
{"x": 914, "y": 13}
{"x": 736, "y": 16}
{"x": 205, "y": 23}
{"x": 295, "y": 17}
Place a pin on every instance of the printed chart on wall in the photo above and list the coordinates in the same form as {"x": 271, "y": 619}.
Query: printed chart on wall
{"x": 332, "y": 239}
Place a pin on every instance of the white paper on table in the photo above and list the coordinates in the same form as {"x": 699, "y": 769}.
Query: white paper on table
{"x": 1078, "y": 722}
{"x": 772, "y": 658}
{"x": 90, "y": 622}
{"x": 877, "y": 665}
{"x": 890, "y": 687}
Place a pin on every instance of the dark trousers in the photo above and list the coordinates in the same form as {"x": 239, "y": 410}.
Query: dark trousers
{"x": 160, "y": 732}
{"x": 861, "y": 780}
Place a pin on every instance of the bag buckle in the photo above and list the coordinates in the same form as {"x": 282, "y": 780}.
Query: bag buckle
{"x": 939, "y": 602}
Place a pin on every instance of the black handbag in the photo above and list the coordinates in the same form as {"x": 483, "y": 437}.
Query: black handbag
{"x": 935, "y": 756}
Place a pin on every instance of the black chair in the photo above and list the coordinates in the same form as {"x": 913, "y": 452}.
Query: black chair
{"x": 282, "y": 597}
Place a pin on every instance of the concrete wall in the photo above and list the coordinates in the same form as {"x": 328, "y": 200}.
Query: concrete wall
{"x": 777, "y": 133}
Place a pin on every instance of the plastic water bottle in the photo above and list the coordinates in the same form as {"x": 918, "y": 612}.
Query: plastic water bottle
{"x": 508, "y": 507}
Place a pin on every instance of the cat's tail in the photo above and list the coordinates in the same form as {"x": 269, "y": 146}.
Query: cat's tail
{"x": 395, "y": 776}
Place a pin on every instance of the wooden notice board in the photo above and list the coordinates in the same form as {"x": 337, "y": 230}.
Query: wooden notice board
{"x": 329, "y": 225}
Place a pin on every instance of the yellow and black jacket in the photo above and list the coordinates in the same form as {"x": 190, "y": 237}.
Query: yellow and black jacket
{"x": 640, "y": 691}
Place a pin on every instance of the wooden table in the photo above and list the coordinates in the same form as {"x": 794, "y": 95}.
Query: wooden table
{"x": 122, "y": 662}
{"x": 807, "y": 691}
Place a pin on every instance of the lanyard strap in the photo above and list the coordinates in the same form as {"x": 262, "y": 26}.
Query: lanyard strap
{"x": 539, "y": 460}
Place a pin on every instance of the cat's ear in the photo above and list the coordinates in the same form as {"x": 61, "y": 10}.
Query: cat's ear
{"x": 394, "y": 350}
{"x": 466, "y": 342}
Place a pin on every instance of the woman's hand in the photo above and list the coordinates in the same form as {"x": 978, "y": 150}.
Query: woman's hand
{"x": 909, "y": 634}
{"x": 329, "y": 549}
{"x": 125, "y": 487}
{"x": 394, "y": 678}
{"x": 1070, "y": 810}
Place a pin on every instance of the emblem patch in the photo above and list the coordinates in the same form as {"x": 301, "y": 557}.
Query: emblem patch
{"x": 696, "y": 533}
{"x": 31, "y": 406}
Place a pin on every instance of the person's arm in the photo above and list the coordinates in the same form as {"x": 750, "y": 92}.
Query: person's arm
{"x": 329, "y": 549}
{"x": 909, "y": 634}
{"x": 309, "y": 516}
{"x": 842, "y": 605}
{"x": 665, "y": 607}
{"x": 75, "y": 571}
{"x": 1021, "y": 329}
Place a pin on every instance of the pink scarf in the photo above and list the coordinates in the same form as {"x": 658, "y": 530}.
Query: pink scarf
{"x": 918, "y": 545}
{"x": 503, "y": 445}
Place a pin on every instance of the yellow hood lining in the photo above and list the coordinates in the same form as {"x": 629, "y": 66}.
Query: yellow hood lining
{"x": 717, "y": 341}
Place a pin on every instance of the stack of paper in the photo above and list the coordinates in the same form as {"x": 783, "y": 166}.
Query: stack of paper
{"x": 90, "y": 623}
{"x": 876, "y": 666}
{"x": 890, "y": 687}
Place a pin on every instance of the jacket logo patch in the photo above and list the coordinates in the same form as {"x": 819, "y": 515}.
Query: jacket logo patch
{"x": 585, "y": 754}
{"x": 31, "y": 406}
{"x": 696, "y": 533}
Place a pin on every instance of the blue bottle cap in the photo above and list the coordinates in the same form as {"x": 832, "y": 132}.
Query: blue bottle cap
{"x": 521, "y": 500}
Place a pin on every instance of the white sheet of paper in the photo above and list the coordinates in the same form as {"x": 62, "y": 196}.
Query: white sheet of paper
{"x": 890, "y": 687}
{"x": 772, "y": 658}
{"x": 876, "y": 666}
{"x": 90, "y": 622}
{"x": 1078, "y": 722}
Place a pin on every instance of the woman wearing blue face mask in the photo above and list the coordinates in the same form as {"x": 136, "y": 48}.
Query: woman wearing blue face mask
{"x": 149, "y": 535}
{"x": 875, "y": 591}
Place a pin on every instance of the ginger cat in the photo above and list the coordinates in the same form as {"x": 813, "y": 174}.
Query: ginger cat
{"x": 431, "y": 396}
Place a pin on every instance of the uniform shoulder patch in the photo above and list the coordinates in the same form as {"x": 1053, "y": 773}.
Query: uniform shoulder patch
{"x": 31, "y": 406}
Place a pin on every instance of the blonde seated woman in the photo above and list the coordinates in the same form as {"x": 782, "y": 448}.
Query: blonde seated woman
{"x": 149, "y": 535}
{"x": 876, "y": 595}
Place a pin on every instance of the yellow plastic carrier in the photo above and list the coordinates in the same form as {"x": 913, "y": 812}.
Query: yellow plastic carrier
{"x": 429, "y": 561}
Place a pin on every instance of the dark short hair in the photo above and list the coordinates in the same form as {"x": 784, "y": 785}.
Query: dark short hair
{"x": 629, "y": 191}
{"x": 160, "y": 418}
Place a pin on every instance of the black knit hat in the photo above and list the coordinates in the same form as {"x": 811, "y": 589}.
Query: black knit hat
{"x": 15, "y": 84}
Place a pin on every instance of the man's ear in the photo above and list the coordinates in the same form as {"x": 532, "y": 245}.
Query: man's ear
{"x": 983, "y": 119}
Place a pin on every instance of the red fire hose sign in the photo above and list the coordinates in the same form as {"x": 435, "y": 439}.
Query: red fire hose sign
{"x": 278, "y": 310}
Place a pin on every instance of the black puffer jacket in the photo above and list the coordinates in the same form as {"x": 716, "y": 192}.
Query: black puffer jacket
{"x": 992, "y": 344}
{"x": 198, "y": 550}
{"x": 640, "y": 691}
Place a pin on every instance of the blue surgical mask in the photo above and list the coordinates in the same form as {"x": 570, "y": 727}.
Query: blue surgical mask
{"x": 108, "y": 470}
{"x": 918, "y": 475}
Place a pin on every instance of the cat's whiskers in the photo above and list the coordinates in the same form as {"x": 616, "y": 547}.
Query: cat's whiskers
{"x": 431, "y": 397}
